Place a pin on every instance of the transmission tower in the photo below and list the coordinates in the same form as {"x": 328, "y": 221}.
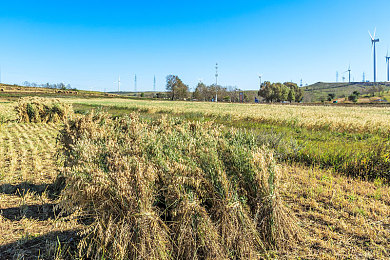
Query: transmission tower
{"x": 216, "y": 82}
{"x": 135, "y": 83}
{"x": 119, "y": 84}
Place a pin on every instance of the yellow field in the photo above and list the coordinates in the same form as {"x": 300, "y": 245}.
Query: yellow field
{"x": 27, "y": 169}
{"x": 342, "y": 217}
{"x": 342, "y": 119}
{"x": 6, "y": 111}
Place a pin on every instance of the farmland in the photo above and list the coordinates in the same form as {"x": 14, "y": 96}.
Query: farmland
{"x": 331, "y": 166}
{"x": 353, "y": 140}
{"x": 352, "y": 120}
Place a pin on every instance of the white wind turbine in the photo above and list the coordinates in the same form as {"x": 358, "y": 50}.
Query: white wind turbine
{"x": 373, "y": 42}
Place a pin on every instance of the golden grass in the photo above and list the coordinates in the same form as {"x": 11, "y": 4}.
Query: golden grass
{"x": 172, "y": 189}
{"x": 344, "y": 218}
{"x": 27, "y": 168}
{"x": 42, "y": 110}
{"x": 341, "y": 217}
{"x": 6, "y": 112}
{"x": 342, "y": 119}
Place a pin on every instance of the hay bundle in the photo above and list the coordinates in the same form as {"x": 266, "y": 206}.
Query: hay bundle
{"x": 170, "y": 189}
{"x": 42, "y": 110}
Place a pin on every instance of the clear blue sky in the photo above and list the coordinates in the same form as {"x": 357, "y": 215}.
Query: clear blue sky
{"x": 89, "y": 43}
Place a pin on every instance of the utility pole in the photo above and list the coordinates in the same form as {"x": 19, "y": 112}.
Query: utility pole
{"x": 216, "y": 82}
{"x": 119, "y": 84}
{"x": 387, "y": 63}
{"x": 135, "y": 83}
{"x": 260, "y": 81}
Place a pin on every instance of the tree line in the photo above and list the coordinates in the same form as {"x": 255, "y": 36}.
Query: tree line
{"x": 61, "y": 86}
{"x": 270, "y": 92}
{"x": 278, "y": 92}
{"x": 177, "y": 90}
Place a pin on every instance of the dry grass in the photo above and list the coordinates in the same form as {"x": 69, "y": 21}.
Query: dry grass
{"x": 171, "y": 189}
{"x": 6, "y": 112}
{"x": 42, "y": 110}
{"x": 342, "y": 119}
{"x": 27, "y": 170}
{"x": 344, "y": 218}
{"x": 180, "y": 212}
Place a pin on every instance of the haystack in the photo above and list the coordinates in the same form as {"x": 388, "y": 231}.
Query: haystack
{"x": 171, "y": 190}
{"x": 42, "y": 110}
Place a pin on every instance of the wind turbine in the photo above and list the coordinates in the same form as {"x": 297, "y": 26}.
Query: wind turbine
{"x": 387, "y": 62}
{"x": 119, "y": 83}
{"x": 373, "y": 41}
{"x": 349, "y": 73}
{"x": 260, "y": 79}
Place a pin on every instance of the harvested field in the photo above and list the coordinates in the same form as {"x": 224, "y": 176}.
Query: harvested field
{"x": 339, "y": 217}
{"x": 27, "y": 197}
{"x": 340, "y": 119}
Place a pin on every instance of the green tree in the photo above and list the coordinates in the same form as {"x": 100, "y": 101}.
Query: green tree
{"x": 353, "y": 98}
{"x": 266, "y": 91}
{"x": 297, "y": 90}
{"x": 176, "y": 88}
{"x": 356, "y": 93}
{"x": 200, "y": 91}
{"x": 282, "y": 91}
{"x": 291, "y": 95}
{"x": 298, "y": 94}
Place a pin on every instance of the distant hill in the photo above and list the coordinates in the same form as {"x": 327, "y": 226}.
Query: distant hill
{"x": 16, "y": 91}
{"x": 320, "y": 90}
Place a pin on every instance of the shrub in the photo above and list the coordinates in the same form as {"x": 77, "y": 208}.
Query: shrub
{"x": 353, "y": 98}
{"x": 172, "y": 189}
{"x": 42, "y": 110}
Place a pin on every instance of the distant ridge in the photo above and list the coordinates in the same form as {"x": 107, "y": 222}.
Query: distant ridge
{"x": 320, "y": 90}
